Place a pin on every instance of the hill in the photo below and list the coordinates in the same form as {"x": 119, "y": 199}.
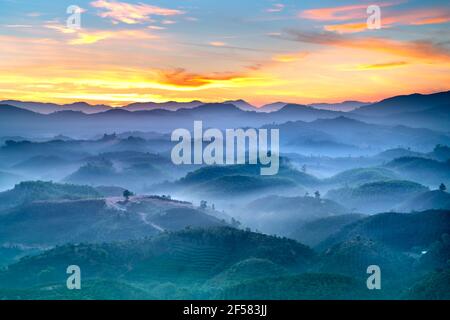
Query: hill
{"x": 282, "y": 215}
{"x": 360, "y": 176}
{"x": 434, "y": 286}
{"x": 241, "y": 180}
{"x": 186, "y": 256}
{"x": 376, "y": 196}
{"x": 47, "y": 223}
{"x": 399, "y": 231}
{"x": 29, "y": 191}
{"x": 421, "y": 169}
{"x": 309, "y": 286}
{"x": 426, "y": 201}
{"x": 405, "y": 103}
{"x": 314, "y": 232}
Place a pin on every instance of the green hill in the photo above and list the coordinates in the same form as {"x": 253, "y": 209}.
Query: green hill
{"x": 434, "y": 286}
{"x": 249, "y": 269}
{"x": 421, "y": 169}
{"x": 91, "y": 290}
{"x": 352, "y": 257}
{"x": 29, "y": 191}
{"x": 310, "y": 286}
{"x": 186, "y": 256}
{"x": 376, "y": 196}
{"x": 313, "y": 232}
{"x": 283, "y": 215}
{"x": 210, "y": 173}
{"x": 359, "y": 176}
{"x": 96, "y": 220}
{"x": 400, "y": 231}
{"x": 427, "y": 201}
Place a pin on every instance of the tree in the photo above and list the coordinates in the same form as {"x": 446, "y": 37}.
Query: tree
{"x": 127, "y": 194}
{"x": 304, "y": 168}
{"x": 442, "y": 187}
{"x": 203, "y": 204}
{"x": 317, "y": 195}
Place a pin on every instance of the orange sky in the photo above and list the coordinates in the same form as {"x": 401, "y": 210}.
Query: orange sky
{"x": 128, "y": 52}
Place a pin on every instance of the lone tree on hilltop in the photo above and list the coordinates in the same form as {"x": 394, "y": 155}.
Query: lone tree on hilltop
{"x": 127, "y": 194}
{"x": 442, "y": 187}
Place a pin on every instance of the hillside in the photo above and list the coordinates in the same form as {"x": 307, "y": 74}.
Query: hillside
{"x": 241, "y": 180}
{"x": 29, "y": 191}
{"x": 309, "y": 286}
{"x": 97, "y": 220}
{"x": 426, "y": 201}
{"x": 434, "y": 286}
{"x": 184, "y": 256}
{"x": 282, "y": 215}
{"x": 399, "y": 231}
{"x": 376, "y": 196}
{"x": 407, "y": 103}
{"x": 359, "y": 176}
{"x": 421, "y": 169}
{"x": 313, "y": 232}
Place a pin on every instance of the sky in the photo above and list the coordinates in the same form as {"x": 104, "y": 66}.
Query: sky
{"x": 262, "y": 51}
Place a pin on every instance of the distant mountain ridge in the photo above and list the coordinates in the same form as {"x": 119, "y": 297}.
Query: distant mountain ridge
{"x": 47, "y": 108}
{"x": 407, "y": 103}
{"x": 396, "y": 104}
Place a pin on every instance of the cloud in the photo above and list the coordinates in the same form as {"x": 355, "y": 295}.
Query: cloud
{"x": 354, "y": 17}
{"x": 85, "y": 36}
{"x": 168, "y": 22}
{"x": 180, "y": 78}
{"x": 131, "y": 13}
{"x": 60, "y": 28}
{"x": 423, "y": 49}
{"x": 415, "y": 17}
{"x": 289, "y": 57}
{"x": 335, "y": 13}
{"x": 156, "y": 27}
{"x": 386, "y": 65}
{"x": 277, "y": 7}
{"x": 347, "y": 27}
{"x": 17, "y": 26}
{"x": 217, "y": 43}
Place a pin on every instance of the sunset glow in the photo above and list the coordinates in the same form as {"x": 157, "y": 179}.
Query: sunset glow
{"x": 291, "y": 51}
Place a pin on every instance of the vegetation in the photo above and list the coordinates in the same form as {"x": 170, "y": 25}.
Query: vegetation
{"x": 29, "y": 191}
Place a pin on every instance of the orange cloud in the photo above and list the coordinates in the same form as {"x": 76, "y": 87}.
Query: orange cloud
{"x": 85, "y": 36}
{"x": 389, "y": 18}
{"x": 131, "y": 13}
{"x": 423, "y": 50}
{"x": 181, "y": 78}
{"x": 386, "y": 65}
{"x": 346, "y": 27}
{"x": 336, "y": 13}
{"x": 96, "y": 36}
{"x": 417, "y": 17}
{"x": 217, "y": 43}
